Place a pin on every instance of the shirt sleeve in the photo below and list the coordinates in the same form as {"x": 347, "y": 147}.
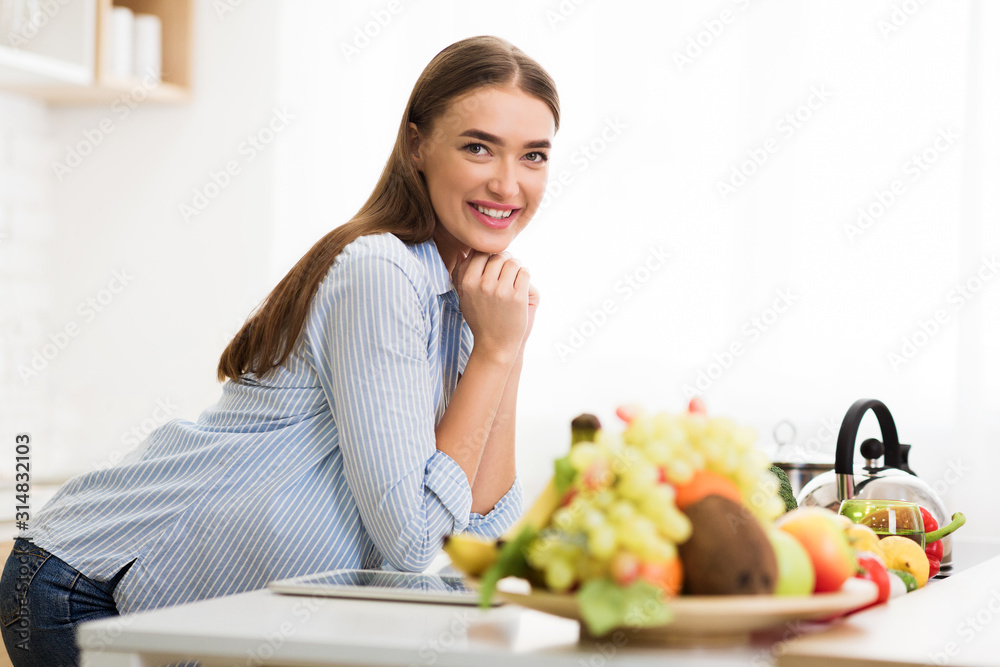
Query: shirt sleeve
{"x": 503, "y": 515}
{"x": 375, "y": 370}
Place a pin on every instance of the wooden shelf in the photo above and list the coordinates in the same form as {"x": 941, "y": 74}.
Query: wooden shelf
{"x": 24, "y": 69}
{"x": 46, "y": 70}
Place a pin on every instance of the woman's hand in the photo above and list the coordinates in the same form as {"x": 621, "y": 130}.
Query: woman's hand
{"x": 534, "y": 298}
{"x": 494, "y": 295}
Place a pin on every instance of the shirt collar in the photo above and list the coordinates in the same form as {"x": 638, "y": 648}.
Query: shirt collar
{"x": 427, "y": 254}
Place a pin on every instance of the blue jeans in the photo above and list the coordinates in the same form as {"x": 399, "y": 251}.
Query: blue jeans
{"x": 42, "y": 600}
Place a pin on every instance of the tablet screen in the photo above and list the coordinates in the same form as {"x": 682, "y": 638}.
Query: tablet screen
{"x": 389, "y": 580}
{"x": 381, "y": 585}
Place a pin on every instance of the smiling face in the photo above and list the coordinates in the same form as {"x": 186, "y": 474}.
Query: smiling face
{"x": 485, "y": 165}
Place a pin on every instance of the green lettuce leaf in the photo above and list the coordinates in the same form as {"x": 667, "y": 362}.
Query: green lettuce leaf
{"x": 510, "y": 562}
{"x": 604, "y": 606}
{"x": 564, "y": 475}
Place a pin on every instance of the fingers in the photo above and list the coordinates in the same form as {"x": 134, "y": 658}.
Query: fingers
{"x": 458, "y": 271}
{"x": 522, "y": 282}
{"x": 494, "y": 268}
{"x": 472, "y": 262}
{"x": 495, "y": 272}
{"x": 508, "y": 276}
{"x": 534, "y": 296}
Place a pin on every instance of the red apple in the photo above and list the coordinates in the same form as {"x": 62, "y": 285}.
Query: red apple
{"x": 823, "y": 538}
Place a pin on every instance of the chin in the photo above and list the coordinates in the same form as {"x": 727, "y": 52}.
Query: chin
{"x": 491, "y": 246}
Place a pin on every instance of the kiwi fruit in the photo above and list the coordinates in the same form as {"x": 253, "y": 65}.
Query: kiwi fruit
{"x": 728, "y": 552}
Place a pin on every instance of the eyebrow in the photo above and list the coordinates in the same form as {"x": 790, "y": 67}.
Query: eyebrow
{"x": 494, "y": 139}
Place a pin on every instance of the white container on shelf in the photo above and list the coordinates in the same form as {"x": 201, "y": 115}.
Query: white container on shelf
{"x": 147, "y": 39}
{"x": 121, "y": 24}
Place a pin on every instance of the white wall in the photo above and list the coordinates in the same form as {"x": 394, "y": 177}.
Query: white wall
{"x": 682, "y": 131}
{"x": 888, "y": 91}
{"x": 148, "y": 352}
{"x": 26, "y": 231}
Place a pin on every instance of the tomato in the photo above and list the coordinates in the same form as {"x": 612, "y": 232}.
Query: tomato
{"x": 697, "y": 406}
{"x": 872, "y": 569}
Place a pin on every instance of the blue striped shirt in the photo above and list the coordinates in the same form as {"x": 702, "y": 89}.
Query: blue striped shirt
{"x": 327, "y": 461}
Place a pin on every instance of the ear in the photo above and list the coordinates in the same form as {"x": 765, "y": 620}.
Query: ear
{"x": 413, "y": 141}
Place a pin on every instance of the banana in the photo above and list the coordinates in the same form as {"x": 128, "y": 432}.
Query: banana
{"x": 470, "y": 554}
{"x": 474, "y": 555}
{"x": 582, "y": 429}
{"x": 539, "y": 513}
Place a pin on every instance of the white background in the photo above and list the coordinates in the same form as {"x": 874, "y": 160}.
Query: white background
{"x": 893, "y": 75}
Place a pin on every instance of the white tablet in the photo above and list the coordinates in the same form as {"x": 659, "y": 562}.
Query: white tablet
{"x": 380, "y": 585}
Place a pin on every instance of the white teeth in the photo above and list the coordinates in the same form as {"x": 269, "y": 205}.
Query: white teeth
{"x": 493, "y": 213}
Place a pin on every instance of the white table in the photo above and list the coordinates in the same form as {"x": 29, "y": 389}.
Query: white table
{"x": 264, "y": 628}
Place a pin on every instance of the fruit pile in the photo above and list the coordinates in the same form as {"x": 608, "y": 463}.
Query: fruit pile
{"x": 898, "y": 564}
{"x": 627, "y": 502}
{"x": 677, "y": 504}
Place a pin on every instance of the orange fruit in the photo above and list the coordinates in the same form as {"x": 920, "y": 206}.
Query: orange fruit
{"x": 705, "y": 483}
{"x": 667, "y": 575}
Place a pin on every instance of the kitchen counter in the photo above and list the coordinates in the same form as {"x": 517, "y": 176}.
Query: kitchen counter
{"x": 953, "y": 621}
{"x": 264, "y": 628}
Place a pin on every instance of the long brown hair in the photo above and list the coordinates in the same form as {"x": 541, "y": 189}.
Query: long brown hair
{"x": 399, "y": 204}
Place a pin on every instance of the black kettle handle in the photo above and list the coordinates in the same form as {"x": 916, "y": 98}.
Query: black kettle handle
{"x": 844, "y": 463}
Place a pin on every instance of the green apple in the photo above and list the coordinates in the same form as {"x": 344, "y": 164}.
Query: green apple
{"x": 795, "y": 569}
{"x": 821, "y": 534}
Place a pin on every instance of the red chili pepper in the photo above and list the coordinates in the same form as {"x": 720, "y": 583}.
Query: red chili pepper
{"x": 933, "y": 535}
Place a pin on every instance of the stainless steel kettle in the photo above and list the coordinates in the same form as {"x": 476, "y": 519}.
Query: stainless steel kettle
{"x": 893, "y": 480}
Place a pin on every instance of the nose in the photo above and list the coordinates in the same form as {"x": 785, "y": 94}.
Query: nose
{"x": 504, "y": 182}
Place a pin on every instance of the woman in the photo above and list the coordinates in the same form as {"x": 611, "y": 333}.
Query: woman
{"x": 371, "y": 398}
